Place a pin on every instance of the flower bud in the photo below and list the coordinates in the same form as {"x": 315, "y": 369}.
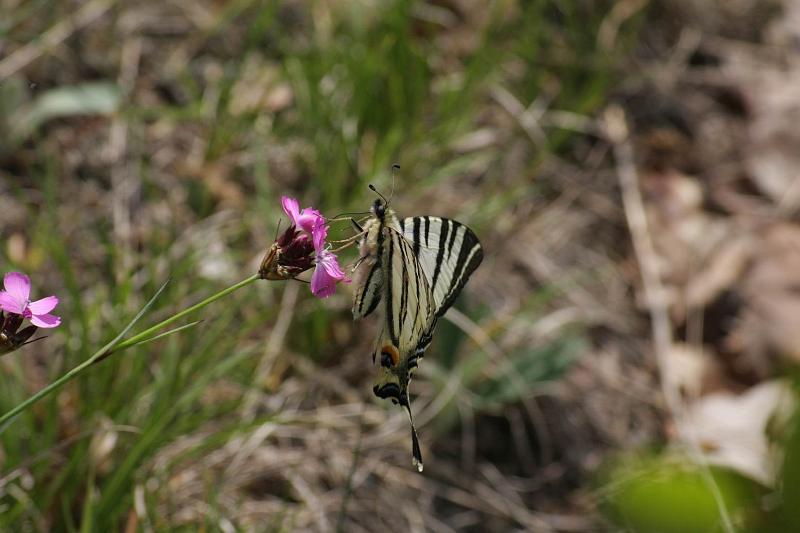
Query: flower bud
{"x": 290, "y": 255}
{"x": 10, "y": 338}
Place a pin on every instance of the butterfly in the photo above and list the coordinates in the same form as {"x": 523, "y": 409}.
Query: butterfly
{"x": 412, "y": 270}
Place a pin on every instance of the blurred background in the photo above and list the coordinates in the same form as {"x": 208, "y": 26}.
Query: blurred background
{"x": 622, "y": 360}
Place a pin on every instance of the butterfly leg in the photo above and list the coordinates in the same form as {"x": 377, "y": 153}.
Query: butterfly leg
{"x": 346, "y": 243}
{"x": 358, "y": 262}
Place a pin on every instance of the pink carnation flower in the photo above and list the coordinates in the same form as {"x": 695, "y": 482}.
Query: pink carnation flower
{"x": 16, "y": 299}
{"x": 291, "y": 254}
{"x": 327, "y": 272}
{"x": 307, "y": 219}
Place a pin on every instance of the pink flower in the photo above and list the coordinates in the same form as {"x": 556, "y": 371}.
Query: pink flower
{"x": 290, "y": 255}
{"x": 307, "y": 219}
{"x": 318, "y": 235}
{"x": 15, "y": 299}
{"x": 327, "y": 273}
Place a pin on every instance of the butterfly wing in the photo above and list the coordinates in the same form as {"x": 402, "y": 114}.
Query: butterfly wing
{"x": 409, "y": 319}
{"x": 448, "y": 252}
{"x": 408, "y": 315}
{"x": 368, "y": 276}
{"x": 410, "y": 307}
{"x": 368, "y": 294}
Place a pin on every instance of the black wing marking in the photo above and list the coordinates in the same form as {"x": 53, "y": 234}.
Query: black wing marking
{"x": 369, "y": 276}
{"x": 448, "y": 253}
{"x": 410, "y": 309}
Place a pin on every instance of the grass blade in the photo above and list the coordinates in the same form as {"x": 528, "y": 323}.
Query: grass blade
{"x": 103, "y": 352}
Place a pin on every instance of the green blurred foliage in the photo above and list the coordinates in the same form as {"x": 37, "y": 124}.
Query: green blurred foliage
{"x": 21, "y": 115}
{"x": 668, "y": 494}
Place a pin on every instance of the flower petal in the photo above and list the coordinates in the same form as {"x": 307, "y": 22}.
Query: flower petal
{"x": 18, "y": 285}
{"x": 46, "y": 321}
{"x": 322, "y": 285}
{"x": 331, "y": 265}
{"x": 309, "y": 219}
{"x": 45, "y": 305}
{"x": 326, "y": 275}
{"x": 10, "y": 304}
{"x": 292, "y": 208}
{"x": 319, "y": 233}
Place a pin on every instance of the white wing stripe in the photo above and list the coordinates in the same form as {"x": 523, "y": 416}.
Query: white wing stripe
{"x": 408, "y": 298}
{"x": 463, "y": 271}
{"x": 448, "y": 265}
{"x": 444, "y": 229}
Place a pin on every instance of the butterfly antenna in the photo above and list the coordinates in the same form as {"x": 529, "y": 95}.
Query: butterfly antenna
{"x": 415, "y": 451}
{"x": 395, "y": 168}
{"x": 373, "y": 189}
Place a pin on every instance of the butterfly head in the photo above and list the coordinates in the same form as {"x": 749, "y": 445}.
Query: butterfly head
{"x": 381, "y": 205}
{"x": 379, "y": 209}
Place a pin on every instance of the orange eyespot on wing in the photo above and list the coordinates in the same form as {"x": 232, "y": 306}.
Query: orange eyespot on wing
{"x": 389, "y": 356}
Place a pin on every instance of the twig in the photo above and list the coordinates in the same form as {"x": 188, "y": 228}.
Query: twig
{"x": 468, "y": 439}
{"x": 310, "y": 498}
{"x": 633, "y": 204}
{"x": 621, "y": 12}
{"x": 527, "y": 118}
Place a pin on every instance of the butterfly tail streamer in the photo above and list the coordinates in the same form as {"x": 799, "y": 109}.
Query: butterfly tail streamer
{"x": 415, "y": 451}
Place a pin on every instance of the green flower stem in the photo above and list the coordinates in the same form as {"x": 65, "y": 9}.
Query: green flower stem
{"x": 116, "y": 345}
{"x": 144, "y": 335}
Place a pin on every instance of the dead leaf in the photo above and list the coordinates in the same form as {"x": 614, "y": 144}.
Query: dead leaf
{"x": 731, "y": 429}
{"x": 770, "y": 153}
{"x": 686, "y": 238}
{"x": 725, "y": 267}
{"x": 768, "y": 326}
{"x": 692, "y": 369}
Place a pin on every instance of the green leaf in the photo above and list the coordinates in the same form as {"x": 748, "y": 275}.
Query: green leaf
{"x": 100, "y": 98}
{"x": 665, "y": 495}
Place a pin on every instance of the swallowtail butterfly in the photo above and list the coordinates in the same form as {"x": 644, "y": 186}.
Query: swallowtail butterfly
{"x": 411, "y": 270}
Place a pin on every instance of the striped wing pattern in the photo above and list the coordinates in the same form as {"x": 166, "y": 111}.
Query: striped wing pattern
{"x": 410, "y": 309}
{"x": 367, "y": 299}
{"x": 368, "y": 278}
{"x": 448, "y": 252}
{"x": 418, "y": 266}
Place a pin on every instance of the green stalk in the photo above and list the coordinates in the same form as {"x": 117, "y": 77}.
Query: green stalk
{"x": 116, "y": 345}
{"x": 143, "y": 336}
